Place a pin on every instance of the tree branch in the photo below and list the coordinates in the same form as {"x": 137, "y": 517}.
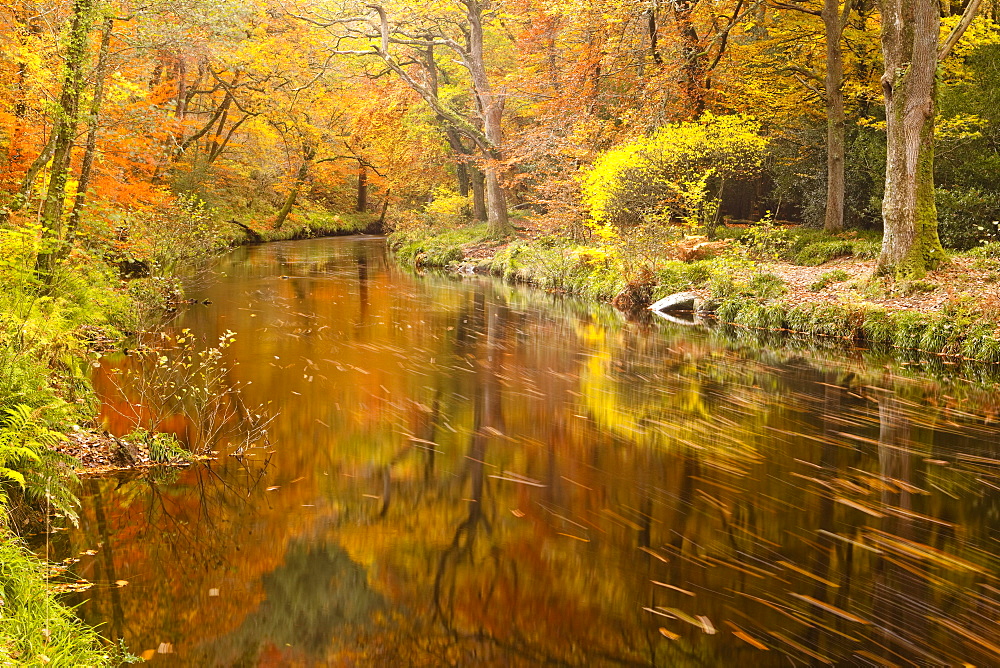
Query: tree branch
{"x": 956, "y": 34}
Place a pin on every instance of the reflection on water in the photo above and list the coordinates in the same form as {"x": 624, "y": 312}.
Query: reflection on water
{"x": 464, "y": 473}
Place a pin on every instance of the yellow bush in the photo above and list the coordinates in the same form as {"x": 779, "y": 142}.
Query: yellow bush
{"x": 675, "y": 174}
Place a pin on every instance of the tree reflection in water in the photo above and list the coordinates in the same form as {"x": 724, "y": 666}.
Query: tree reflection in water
{"x": 465, "y": 473}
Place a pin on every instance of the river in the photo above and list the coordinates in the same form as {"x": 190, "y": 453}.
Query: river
{"x": 462, "y": 472}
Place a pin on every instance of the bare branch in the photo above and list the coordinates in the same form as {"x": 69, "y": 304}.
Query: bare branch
{"x": 959, "y": 29}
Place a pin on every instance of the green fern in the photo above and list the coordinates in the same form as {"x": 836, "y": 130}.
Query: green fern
{"x": 29, "y": 465}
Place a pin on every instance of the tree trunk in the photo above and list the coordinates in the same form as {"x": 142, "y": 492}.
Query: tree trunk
{"x": 64, "y": 131}
{"x": 362, "y": 205}
{"x": 462, "y": 176}
{"x": 910, "y": 244}
{"x": 308, "y": 153}
{"x": 693, "y": 54}
{"x": 651, "y": 29}
{"x": 497, "y": 222}
{"x": 92, "y": 121}
{"x": 835, "y": 143}
{"x": 478, "y": 183}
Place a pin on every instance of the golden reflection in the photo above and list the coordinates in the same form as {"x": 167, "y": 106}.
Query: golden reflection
{"x": 465, "y": 473}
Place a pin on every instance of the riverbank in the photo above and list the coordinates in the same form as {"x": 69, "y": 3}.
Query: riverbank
{"x": 767, "y": 278}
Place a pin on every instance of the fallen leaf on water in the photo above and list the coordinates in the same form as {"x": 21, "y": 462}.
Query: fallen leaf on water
{"x": 683, "y": 616}
{"x": 569, "y": 535}
{"x": 858, "y": 506}
{"x": 213, "y": 592}
{"x": 747, "y": 638}
{"x": 829, "y": 608}
{"x": 806, "y": 573}
{"x": 121, "y": 583}
{"x": 148, "y": 655}
{"x": 272, "y": 488}
{"x": 805, "y": 650}
{"x": 669, "y": 586}
{"x": 669, "y": 634}
{"x": 874, "y": 658}
{"x": 706, "y": 625}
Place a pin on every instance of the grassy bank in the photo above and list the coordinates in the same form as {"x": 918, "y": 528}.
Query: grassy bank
{"x": 35, "y": 628}
{"x": 765, "y": 278}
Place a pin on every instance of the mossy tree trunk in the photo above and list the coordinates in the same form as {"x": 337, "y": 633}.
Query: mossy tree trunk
{"x": 834, "y": 20}
{"x": 910, "y": 31}
{"x": 490, "y": 105}
{"x": 63, "y": 134}
{"x": 90, "y": 149}
{"x": 308, "y": 154}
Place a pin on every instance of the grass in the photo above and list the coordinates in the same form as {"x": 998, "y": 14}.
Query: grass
{"x": 431, "y": 248}
{"x": 803, "y": 246}
{"x": 829, "y": 278}
{"x": 35, "y": 628}
{"x": 745, "y": 296}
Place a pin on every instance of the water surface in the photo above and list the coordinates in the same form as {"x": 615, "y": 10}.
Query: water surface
{"x": 466, "y": 473}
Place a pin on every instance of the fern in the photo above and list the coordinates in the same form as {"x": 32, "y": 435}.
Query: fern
{"x": 29, "y": 465}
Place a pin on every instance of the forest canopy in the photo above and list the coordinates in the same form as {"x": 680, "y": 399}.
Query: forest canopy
{"x": 115, "y": 114}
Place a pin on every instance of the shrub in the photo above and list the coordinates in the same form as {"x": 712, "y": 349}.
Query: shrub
{"x": 670, "y": 175}
{"x": 766, "y": 240}
{"x": 449, "y": 208}
{"x": 967, "y": 217}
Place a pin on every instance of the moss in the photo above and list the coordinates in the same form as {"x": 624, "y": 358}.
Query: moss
{"x": 916, "y": 287}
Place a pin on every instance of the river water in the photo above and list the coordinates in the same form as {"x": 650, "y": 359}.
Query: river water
{"x": 461, "y": 472}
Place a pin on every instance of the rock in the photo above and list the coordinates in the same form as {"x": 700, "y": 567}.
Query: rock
{"x": 687, "y": 322}
{"x": 680, "y": 301}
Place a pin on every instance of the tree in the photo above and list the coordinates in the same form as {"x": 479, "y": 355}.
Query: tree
{"x": 910, "y": 31}
{"x": 834, "y": 22}
{"x": 462, "y": 33}
{"x": 63, "y": 133}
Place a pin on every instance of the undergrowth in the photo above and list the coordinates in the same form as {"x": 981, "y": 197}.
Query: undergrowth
{"x": 35, "y": 628}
